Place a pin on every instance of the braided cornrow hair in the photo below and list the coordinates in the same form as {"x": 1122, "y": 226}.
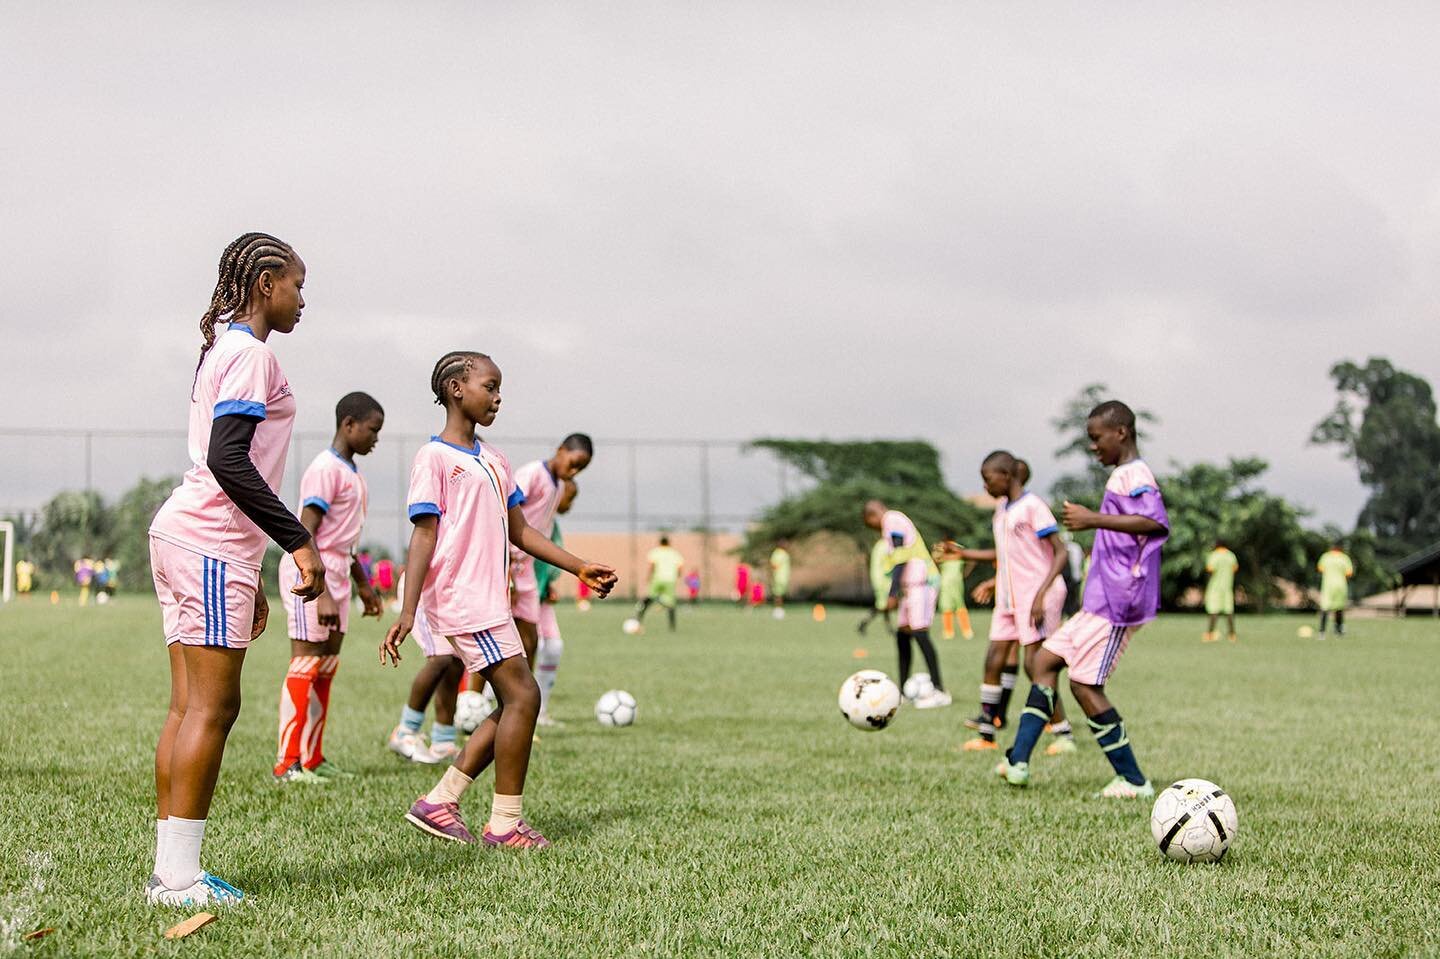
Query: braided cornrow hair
{"x": 240, "y": 266}
{"x": 452, "y": 366}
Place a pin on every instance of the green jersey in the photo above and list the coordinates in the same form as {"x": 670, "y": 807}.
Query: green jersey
{"x": 1221, "y": 564}
{"x": 545, "y": 574}
{"x": 665, "y": 562}
{"x": 952, "y": 585}
{"x": 879, "y": 574}
{"x": 779, "y": 570}
{"x": 1335, "y": 572}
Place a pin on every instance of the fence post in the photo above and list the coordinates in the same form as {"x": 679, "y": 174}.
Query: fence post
{"x": 402, "y": 484}
{"x": 705, "y": 520}
{"x": 89, "y": 486}
{"x": 634, "y": 526}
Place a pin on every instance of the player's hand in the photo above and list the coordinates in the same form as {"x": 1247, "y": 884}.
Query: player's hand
{"x": 892, "y": 603}
{"x": 1077, "y": 517}
{"x": 370, "y": 600}
{"x": 598, "y": 577}
{"x": 312, "y": 572}
{"x": 944, "y": 552}
{"x": 984, "y": 592}
{"x": 390, "y": 648}
{"x": 262, "y": 614}
{"x": 327, "y": 611}
{"x": 1037, "y": 611}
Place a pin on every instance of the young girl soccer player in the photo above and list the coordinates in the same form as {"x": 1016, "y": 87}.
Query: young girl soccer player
{"x": 333, "y": 503}
{"x": 465, "y": 506}
{"x": 206, "y": 544}
{"x": 1121, "y": 595}
{"x": 541, "y": 483}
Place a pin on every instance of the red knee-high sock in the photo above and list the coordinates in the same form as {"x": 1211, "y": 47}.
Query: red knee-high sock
{"x": 312, "y": 738}
{"x": 294, "y": 705}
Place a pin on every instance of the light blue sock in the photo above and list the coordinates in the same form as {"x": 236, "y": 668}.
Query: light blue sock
{"x": 441, "y": 734}
{"x": 411, "y": 719}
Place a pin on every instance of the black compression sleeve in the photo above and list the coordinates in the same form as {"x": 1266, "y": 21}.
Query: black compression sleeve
{"x": 229, "y": 460}
{"x": 895, "y": 575}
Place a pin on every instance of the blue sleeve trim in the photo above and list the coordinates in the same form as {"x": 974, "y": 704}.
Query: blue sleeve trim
{"x": 418, "y": 510}
{"x": 516, "y": 498}
{"x": 240, "y": 408}
{"x": 1047, "y": 531}
{"x": 316, "y": 502}
{"x": 1142, "y": 490}
{"x": 897, "y": 539}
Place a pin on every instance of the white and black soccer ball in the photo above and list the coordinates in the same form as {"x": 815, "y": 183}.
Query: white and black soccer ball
{"x": 1194, "y": 820}
{"x": 918, "y": 686}
{"x": 615, "y": 708}
{"x": 869, "y": 700}
{"x": 631, "y": 627}
{"x": 778, "y": 613}
{"x": 471, "y": 708}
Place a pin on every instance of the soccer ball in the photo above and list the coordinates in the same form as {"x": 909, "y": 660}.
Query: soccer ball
{"x": 1194, "y": 821}
{"x": 615, "y": 708}
{"x": 471, "y": 708}
{"x": 631, "y": 626}
{"x": 918, "y": 687}
{"x": 778, "y": 613}
{"x": 869, "y": 700}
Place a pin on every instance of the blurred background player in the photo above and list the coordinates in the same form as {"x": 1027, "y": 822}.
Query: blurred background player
{"x": 1222, "y": 565}
{"x": 84, "y": 576}
{"x": 952, "y": 588}
{"x": 780, "y": 574}
{"x": 664, "y": 563}
{"x": 914, "y": 579}
{"x": 692, "y": 586}
{"x": 24, "y": 577}
{"x": 1335, "y": 572}
{"x": 465, "y": 507}
{"x": 547, "y": 654}
{"x": 1122, "y": 593}
{"x": 207, "y": 542}
{"x": 742, "y": 584}
{"x": 333, "y": 502}
{"x": 880, "y": 585}
{"x": 540, "y": 484}
{"x": 1028, "y": 557}
{"x": 438, "y": 679}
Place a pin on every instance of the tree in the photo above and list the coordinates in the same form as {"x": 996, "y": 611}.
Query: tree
{"x": 72, "y": 524}
{"x": 1207, "y": 502}
{"x": 906, "y": 475}
{"x": 1384, "y": 419}
{"x": 130, "y": 517}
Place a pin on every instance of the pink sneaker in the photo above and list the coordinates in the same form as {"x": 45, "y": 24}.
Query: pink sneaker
{"x": 523, "y": 836}
{"x": 441, "y": 820}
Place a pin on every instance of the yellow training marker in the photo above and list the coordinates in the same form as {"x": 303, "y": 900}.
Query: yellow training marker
{"x": 190, "y": 925}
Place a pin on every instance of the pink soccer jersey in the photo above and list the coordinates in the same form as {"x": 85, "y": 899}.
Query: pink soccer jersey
{"x": 471, "y": 490}
{"x": 239, "y": 375}
{"x": 1022, "y": 555}
{"x": 898, "y": 531}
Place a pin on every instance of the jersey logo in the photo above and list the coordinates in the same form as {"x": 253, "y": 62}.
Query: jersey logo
{"x": 456, "y": 473}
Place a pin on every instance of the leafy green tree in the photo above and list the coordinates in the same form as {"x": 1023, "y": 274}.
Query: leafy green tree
{"x": 1384, "y": 419}
{"x": 129, "y": 541}
{"x": 72, "y": 524}
{"x": 906, "y": 475}
{"x": 1207, "y": 502}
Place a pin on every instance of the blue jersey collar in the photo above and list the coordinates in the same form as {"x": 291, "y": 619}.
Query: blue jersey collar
{"x": 475, "y": 451}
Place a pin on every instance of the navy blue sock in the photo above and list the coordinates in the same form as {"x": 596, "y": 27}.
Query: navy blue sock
{"x": 1109, "y": 730}
{"x": 1038, "y": 707}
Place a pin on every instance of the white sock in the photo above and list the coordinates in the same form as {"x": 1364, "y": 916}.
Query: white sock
{"x": 504, "y": 814}
{"x": 450, "y": 788}
{"x": 547, "y": 664}
{"x": 180, "y": 866}
{"x": 162, "y": 833}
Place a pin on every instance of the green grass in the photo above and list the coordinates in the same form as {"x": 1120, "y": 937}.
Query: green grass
{"x": 741, "y": 816}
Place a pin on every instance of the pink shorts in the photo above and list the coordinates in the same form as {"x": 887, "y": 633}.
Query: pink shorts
{"x": 917, "y": 607}
{"x": 549, "y": 626}
{"x": 1091, "y": 647}
{"x": 302, "y": 619}
{"x": 1015, "y": 625}
{"x": 425, "y": 636}
{"x": 526, "y": 605}
{"x": 203, "y": 601}
{"x": 488, "y": 647}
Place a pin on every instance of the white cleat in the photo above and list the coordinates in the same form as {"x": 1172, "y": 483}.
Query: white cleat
{"x": 545, "y": 719}
{"x": 410, "y": 746}
{"x": 933, "y": 700}
{"x": 442, "y": 752}
{"x": 207, "y": 890}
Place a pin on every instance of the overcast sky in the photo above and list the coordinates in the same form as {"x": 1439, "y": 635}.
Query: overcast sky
{"x": 721, "y": 220}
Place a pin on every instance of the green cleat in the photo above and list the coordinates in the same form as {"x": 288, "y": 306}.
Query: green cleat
{"x": 1062, "y": 746}
{"x": 1122, "y": 788}
{"x": 1016, "y": 774}
{"x": 299, "y": 774}
{"x": 328, "y": 770}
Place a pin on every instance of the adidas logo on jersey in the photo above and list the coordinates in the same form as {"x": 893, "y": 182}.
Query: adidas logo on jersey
{"x": 457, "y": 473}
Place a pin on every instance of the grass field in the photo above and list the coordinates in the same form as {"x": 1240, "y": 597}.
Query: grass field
{"x": 741, "y": 816}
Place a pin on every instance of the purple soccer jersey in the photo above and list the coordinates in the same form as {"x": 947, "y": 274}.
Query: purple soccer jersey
{"x": 1124, "y": 582}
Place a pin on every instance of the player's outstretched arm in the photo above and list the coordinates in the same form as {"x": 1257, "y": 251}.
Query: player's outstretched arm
{"x": 597, "y": 576}
{"x": 1077, "y": 517}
